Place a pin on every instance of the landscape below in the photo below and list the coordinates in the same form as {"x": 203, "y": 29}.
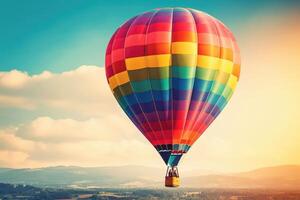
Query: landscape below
{"x": 21, "y": 192}
{"x": 138, "y": 182}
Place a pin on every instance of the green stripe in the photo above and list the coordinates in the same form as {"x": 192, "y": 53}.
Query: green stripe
{"x": 162, "y": 84}
{"x": 159, "y": 72}
{"x": 183, "y": 60}
{"x": 176, "y": 71}
{"x": 206, "y": 74}
{"x": 183, "y": 72}
{"x": 218, "y": 88}
{"x": 227, "y": 92}
{"x": 123, "y": 90}
{"x": 141, "y": 86}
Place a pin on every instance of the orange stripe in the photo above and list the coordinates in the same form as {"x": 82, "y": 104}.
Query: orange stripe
{"x": 215, "y": 51}
{"x": 183, "y": 36}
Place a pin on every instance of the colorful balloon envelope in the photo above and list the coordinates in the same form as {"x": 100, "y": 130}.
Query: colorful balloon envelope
{"x": 172, "y": 70}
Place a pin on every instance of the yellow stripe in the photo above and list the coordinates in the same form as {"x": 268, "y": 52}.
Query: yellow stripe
{"x": 232, "y": 82}
{"x": 214, "y": 63}
{"x": 148, "y": 61}
{"x": 112, "y": 83}
{"x": 227, "y": 93}
{"x": 222, "y": 77}
{"x": 162, "y": 60}
{"x": 207, "y": 62}
{"x": 184, "y": 48}
{"x": 135, "y": 63}
{"x": 226, "y": 66}
{"x": 230, "y": 86}
{"x": 118, "y": 79}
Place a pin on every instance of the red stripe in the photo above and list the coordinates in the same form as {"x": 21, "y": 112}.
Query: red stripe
{"x": 109, "y": 71}
{"x": 136, "y": 29}
{"x": 159, "y": 27}
{"x": 119, "y": 66}
{"x": 181, "y": 36}
{"x": 183, "y": 26}
{"x": 135, "y": 51}
{"x": 118, "y": 44}
{"x": 156, "y": 49}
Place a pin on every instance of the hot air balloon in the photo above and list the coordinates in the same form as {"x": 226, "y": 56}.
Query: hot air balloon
{"x": 172, "y": 70}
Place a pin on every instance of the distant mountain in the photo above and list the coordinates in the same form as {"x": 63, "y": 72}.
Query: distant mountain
{"x": 277, "y": 177}
{"x": 123, "y": 176}
{"x": 281, "y": 177}
{"x": 285, "y": 171}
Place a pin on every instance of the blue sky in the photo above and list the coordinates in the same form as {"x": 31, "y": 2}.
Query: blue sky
{"x": 59, "y": 35}
{"x": 59, "y": 118}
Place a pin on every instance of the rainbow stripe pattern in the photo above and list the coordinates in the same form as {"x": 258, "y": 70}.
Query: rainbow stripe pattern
{"x": 172, "y": 70}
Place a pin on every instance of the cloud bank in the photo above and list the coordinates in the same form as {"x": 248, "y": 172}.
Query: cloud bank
{"x": 82, "y": 91}
{"x": 94, "y": 130}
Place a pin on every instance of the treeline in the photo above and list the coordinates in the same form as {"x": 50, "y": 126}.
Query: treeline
{"x": 8, "y": 191}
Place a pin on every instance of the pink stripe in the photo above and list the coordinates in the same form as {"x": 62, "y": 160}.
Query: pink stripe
{"x": 159, "y": 37}
{"x": 118, "y": 43}
{"x": 135, "y": 40}
{"x": 154, "y": 27}
{"x": 183, "y": 26}
{"x": 237, "y": 56}
{"x": 109, "y": 71}
{"x": 108, "y": 59}
{"x": 212, "y": 39}
{"x": 136, "y": 29}
{"x": 117, "y": 55}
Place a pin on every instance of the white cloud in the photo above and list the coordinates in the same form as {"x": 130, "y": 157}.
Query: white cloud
{"x": 82, "y": 92}
{"x": 47, "y": 141}
{"x": 111, "y": 128}
{"x": 14, "y": 79}
{"x": 16, "y": 102}
{"x": 9, "y": 141}
{"x": 13, "y": 159}
{"x": 95, "y": 131}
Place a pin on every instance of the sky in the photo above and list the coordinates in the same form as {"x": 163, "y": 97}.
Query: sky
{"x": 61, "y": 35}
{"x": 56, "y": 107}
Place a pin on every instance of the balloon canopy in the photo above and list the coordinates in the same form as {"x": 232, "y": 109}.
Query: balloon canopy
{"x": 172, "y": 70}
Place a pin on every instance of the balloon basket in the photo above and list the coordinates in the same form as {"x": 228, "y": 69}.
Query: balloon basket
{"x": 172, "y": 177}
{"x": 172, "y": 182}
